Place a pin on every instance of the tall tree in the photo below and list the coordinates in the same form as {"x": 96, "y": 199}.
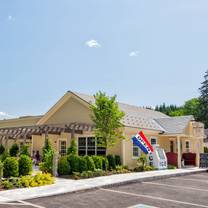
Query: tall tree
{"x": 203, "y": 100}
{"x": 107, "y": 119}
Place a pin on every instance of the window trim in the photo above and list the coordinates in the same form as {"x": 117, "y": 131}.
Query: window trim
{"x": 59, "y": 145}
{"x": 152, "y": 137}
{"x": 86, "y": 150}
{"x": 189, "y": 149}
{"x": 139, "y": 151}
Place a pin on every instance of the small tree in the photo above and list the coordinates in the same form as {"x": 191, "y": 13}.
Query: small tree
{"x": 14, "y": 150}
{"x": 72, "y": 150}
{"x": 47, "y": 148}
{"x": 25, "y": 150}
{"x": 107, "y": 119}
{"x": 142, "y": 161}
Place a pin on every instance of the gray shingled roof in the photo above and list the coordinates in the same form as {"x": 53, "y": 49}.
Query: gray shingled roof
{"x": 174, "y": 125}
{"x": 147, "y": 119}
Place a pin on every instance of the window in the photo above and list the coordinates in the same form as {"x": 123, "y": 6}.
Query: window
{"x": 62, "y": 147}
{"x": 90, "y": 146}
{"x": 187, "y": 146}
{"x": 136, "y": 151}
{"x": 153, "y": 141}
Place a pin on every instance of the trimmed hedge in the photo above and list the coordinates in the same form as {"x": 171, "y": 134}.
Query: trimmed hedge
{"x": 74, "y": 163}
{"x": 25, "y": 165}
{"x": 64, "y": 166}
{"x": 11, "y": 167}
{"x": 98, "y": 162}
{"x": 111, "y": 161}
{"x": 90, "y": 163}
{"x": 82, "y": 164}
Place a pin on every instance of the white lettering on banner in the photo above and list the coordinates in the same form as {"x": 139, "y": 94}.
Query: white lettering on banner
{"x": 142, "y": 141}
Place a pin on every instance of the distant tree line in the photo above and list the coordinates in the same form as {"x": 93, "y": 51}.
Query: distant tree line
{"x": 198, "y": 107}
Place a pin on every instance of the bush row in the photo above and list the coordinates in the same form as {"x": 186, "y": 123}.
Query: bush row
{"x": 27, "y": 181}
{"x": 13, "y": 167}
{"x": 73, "y": 163}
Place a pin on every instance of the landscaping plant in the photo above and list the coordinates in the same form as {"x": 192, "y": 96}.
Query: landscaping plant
{"x": 64, "y": 166}
{"x": 25, "y": 165}
{"x": 111, "y": 162}
{"x": 74, "y": 163}
{"x": 107, "y": 118}
{"x": 14, "y": 150}
{"x": 117, "y": 159}
{"x": 11, "y": 167}
{"x": 82, "y": 164}
{"x": 142, "y": 161}
{"x": 72, "y": 150}
{"x": 97, "y": 161}
{"x": 25, "y": 150}
{"x": 90, "y": 163}
{"x": 2, "y": 149}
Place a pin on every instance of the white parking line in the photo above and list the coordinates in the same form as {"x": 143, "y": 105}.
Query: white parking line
{"x": 31, "y": 204}
{"x": 21, "y": 203}
{"x": 189, "y": 179}
{"x": 174, "y": 186}
{"x": 155, "y": 198}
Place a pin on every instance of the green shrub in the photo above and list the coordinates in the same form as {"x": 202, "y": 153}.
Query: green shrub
{"x": 25, "y": 150}
{"x": 64, "y": 166}
{"x": 4, "y": 156}
{"x": 105, "y": 164}
{"x": 7, "y": 185}
{"x": 90, "y": 163}
{"x": 142, "y": 161}
{"x": 72, "y": 150}
{"x": 11, "y": 167}
{"x": 98, "y": 172}
{"x": 47, "y": 164}
{"x": 28, "y": 181}
{"x": 14, "y": 150}
{"x": 2, "y": 149}
{"x": 111, "y": 161}
{"x": 76, "y": 175}
{"x": 205, "y": 149}
{"x": 74, "y": 163}
{"x": 25, "y": 165}
{"x": 98, "y": 162}
{"x": 82, "y": 164}
{"x": 1, "y": 169}
{"x": 149, "y": 168}
{"x": 117, "y": 159}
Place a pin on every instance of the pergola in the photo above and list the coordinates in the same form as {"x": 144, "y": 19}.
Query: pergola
{"x": 26, "y": 132}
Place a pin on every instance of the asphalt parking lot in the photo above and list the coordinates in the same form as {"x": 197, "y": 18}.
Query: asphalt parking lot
{"x": 184, "y": 191}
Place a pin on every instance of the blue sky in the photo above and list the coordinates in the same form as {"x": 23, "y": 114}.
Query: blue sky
{"x": 145, "y": 51}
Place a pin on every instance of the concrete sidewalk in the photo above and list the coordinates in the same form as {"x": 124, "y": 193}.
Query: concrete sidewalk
{"x": 68, "y": 186}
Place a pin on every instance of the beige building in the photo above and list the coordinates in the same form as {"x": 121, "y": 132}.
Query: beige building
{"x": 70, "y": 118}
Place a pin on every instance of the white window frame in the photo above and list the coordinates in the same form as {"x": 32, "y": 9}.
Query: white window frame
{"x": 139, "y": 151}
{"x": 155, "y": 139}
{"x": 59, "y": 144}
{"x": 189, "y": 149}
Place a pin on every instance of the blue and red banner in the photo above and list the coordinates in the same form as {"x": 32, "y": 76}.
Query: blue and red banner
{"x": 142, "y": 142}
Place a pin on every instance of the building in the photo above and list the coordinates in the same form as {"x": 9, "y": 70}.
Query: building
{"x": 70, "y": 118}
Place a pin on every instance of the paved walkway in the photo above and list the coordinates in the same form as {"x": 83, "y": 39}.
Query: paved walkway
{"x": 67, "y": 185}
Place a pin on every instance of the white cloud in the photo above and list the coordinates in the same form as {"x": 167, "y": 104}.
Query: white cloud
{"x": 10, "y": 18}
{"x": 93, "y": 44}
{"x": 4, "y": 115}
{"x": 134, "y": 53}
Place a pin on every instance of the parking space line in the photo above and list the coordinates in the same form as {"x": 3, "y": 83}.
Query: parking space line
{"x": 12, "y": 204}
{"x": 154, "y": 197}
{"x": 30, "y": 204}
{"x": 174, "y": 186}
{"x": 189, "y": 179}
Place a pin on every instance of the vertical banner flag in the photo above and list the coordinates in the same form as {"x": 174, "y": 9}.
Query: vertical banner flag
{"x": 142, "y": 142}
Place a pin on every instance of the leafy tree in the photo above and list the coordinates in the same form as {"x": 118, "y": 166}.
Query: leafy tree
{"x": 107, "y": 119}
{"x": 203, "y": 101}
{"x": 191, "y": 107}
{"x": 72, "y": 150}
{"x": 47, "y": 148}
{"x": 25, "y": 150}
